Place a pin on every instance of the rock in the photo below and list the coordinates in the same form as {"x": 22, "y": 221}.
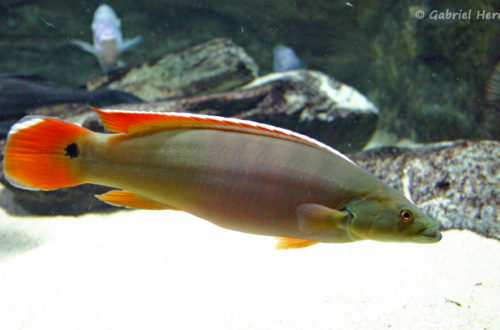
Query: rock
{"x": 66, "y": 201}
{"x": 314, "y": 104}
{"x": 305, "y": 101}
{"x": 457, "y": 183}
{"x": 72, "y": 112}
{"x": 308, "y": 102}
{"x": 21, "y": 92}
{"x": 216, "y": 66}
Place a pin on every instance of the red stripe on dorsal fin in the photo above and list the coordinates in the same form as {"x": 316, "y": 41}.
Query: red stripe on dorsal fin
{"x": 138, "y": 122}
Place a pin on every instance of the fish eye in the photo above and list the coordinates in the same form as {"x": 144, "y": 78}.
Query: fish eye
{"x": 405, "y": 215}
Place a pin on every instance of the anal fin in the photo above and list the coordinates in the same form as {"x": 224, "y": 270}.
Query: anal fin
{"x": 293, "y": 243}
{"x": 131, "y": 199}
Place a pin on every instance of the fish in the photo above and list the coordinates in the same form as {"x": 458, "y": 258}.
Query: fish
{"x": 285, "y": 59}
{"x": 20, "y": 92}
{"x": 238, "y": 174}
{"x": 107, "y": 37}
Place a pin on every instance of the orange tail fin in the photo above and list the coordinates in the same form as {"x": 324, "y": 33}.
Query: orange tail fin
{"x": 43, "y": 154}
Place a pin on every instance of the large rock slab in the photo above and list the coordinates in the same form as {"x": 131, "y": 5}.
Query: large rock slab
{"x": 305, "y": 101}
{"x": 317, "y": 105}
{"x": 308, "y": 102}
{"x": 216, "y": 66}
{"x": 457, "y": 183}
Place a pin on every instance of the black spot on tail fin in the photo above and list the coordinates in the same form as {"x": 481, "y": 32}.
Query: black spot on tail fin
{"x": 72, "y": 150}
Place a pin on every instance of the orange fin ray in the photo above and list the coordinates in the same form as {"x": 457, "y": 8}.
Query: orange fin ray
{"x": 42, "y": 154}
{"x": 294, "y": 243}
{"x": 130, "y": 199}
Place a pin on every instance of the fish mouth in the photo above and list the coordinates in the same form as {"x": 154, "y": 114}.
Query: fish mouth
{"x": 108, "y": 37}
{"x": 429, "y": 235}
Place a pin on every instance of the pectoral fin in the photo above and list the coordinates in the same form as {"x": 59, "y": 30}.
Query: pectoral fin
{"x": 131, "y": 199}
{"x": 129, "y": 43}
{"x": 313, "y": 218}
{"x": 83, "y": 45}
{"x": 293, "y": 243}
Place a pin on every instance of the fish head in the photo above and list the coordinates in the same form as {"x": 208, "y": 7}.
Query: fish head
{"x": 105, "y": 14}
{"x": 285, "y": 59}
{"x": 391, "y": 220}
{"x": 106, "y": 26}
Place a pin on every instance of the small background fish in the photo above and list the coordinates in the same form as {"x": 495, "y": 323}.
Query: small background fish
{"x": 108, "y": 39}
{"x": 285, "y": 59}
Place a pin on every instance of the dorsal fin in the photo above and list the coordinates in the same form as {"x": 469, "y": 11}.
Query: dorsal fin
{"x": 137, "y": 122}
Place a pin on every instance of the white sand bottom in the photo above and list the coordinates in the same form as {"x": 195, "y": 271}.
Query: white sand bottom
{"x": 169, "y": 270}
